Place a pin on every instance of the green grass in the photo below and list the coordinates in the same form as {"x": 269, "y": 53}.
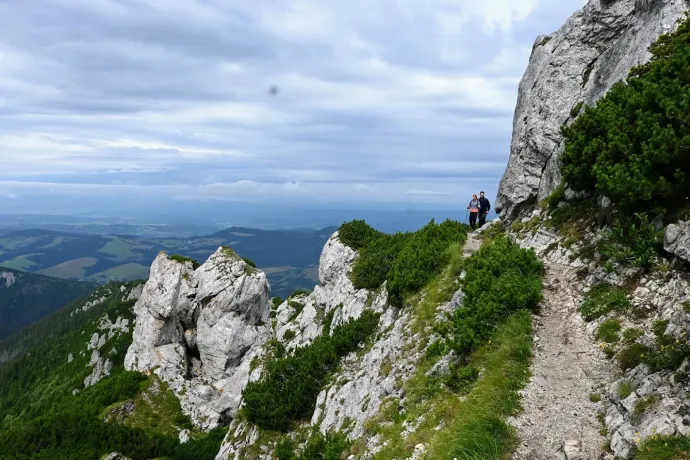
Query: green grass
{"x": 608, "y": 331}
{"x": 119, "y": 249}
{"x": 122, "y": 272}
{"x": 603, "y": 299}
{"x": 157, "y": 409}
{"x": 631, "y": 334}
{"x": 644, "y": 404}
{"x": 594, "y": 397}
{"x": 479, "y": 430}
{"x": 23, "y": 262}
{"x": 664, "y": 448}
{"x": 75, "y": 268}
{"x": 625, "y": 389}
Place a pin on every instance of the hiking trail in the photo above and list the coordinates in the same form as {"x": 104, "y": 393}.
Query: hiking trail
{"x": 559, "y": 420}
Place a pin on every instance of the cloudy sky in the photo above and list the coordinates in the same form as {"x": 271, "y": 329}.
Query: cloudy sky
{"x": 159, "y": 101}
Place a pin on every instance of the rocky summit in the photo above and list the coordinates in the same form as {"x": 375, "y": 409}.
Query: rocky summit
{"x": 199, "y": 330}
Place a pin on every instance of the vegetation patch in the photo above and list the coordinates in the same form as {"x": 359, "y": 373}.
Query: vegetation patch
{"x": 501, "y": 278}
{"x": 333, "y": 446}
{"x": 184, "y": 259}
{"x": 632, "y": 356}
{"x": 408, "y": 261}
{"x": 664, "y": 448}
{"x": 625, "y": 389}
{"x": 288, "y": 390}
{"x": 603, "y": 299}
{"x": 608, "y": 331}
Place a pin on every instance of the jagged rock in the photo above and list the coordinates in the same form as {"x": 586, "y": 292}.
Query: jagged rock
{"x": 576, "y": 65}
{"x": 185, "y": 436}
{"x": 200, "y": 329}
{"x": 101, "y": 369}
{"x": 677, "y": 240}
{"x": 115, "y": 456}
{"x": 70, "y": 358}
{"x": 135, "y": 293}
{"x": 9, "y": 278}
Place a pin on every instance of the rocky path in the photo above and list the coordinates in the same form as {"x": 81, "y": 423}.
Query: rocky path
{"x": 559, "y": 420}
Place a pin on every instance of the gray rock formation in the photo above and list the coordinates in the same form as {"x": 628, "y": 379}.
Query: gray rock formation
{"x": 9, "y": 278}
{"x": 677, "y": 239}
{"x": 576, "y": 65}
{"x": 200, "y": 329}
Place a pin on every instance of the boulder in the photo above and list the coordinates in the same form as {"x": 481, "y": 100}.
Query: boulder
{"x": 677, "y": 240}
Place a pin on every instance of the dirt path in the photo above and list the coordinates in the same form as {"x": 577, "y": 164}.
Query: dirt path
{"x": 559, "y": 420}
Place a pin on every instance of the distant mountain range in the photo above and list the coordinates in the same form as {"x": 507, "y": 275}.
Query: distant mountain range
{"x": 289, "y": 257}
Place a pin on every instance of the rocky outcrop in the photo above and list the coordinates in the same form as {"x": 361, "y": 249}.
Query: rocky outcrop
{"x": 8, "y": 277}
{"x": 573, "y": 67}
{"x": 677, "y": 240}
{"x": 199, "y": 330}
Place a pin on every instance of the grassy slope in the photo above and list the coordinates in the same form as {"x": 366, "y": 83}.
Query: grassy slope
{"x": 474, "y": 421}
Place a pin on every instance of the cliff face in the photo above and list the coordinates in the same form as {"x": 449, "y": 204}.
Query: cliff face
{"x": 575, "y": 66}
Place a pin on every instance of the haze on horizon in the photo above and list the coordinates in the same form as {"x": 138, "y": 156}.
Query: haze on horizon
{"x": 117, "y": 104}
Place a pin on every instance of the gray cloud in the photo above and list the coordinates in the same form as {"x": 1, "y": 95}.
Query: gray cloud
{"x": 377, "y": 101}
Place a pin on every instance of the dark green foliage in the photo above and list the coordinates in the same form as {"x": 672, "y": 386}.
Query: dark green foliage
{"x": 31, "y": 297}
{"x": 575, "y": 111}
{"x": 328, "y": 320}
{"x": 406, "y": 260}
{"x": 659, "y": 327}
{"x": 299, "y": 292}
{"x": 42, "y": 419}
{"x": 632, "y": 240}
{"x": 289, "y": 335}
{"x": 276, "y": 301}
{"x": 632, "y": 355}
{"x": 249, "y": 262}
{"x": 357, "y": 234}
{"x": 291, "y": 384}
{"x": 501, "y": 278}
{"x": 317, "y": 447}
{"x": 184, "y": 259}
{"x": 422, "y": 257}
{"x": 285, "y": 450}
{"x": 633, "y": 146}
{"x": 297, "y": 308}
{"x": 329, "y": 447}
{"x": 461, "y": 378}
{"x": 603, "y": 299}
{"x": 608, "y": 331}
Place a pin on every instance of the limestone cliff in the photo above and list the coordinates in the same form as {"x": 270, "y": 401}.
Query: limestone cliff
{"x": 575, "y": 66}
{"x": 200, "y": 329}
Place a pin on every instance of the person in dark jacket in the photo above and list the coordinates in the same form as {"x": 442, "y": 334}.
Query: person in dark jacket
{"x": 473, "y": 207}
{"x": 484, "y": 208}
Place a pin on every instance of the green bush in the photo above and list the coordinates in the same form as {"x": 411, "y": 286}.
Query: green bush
{"x": 632, "y": 355}
{"x": 276, "y": 301}
{"x": 183, "y": 259}
{"x": 406, "y": 260}
{"x": 630, "y": 335}
{"x": 357, "y": 234}
{"x": 299, "y": 292}
{"x": 318, "y": 447}
{"x": 461, "y": 378}
{"x": 632, "y": 241}
{"x": 664, "y": 448}
{"x": 625, "y": 389}
{"x": 632, "y": 147}
{"x": 603, "y": 299}
{"x": 608, "y": 331}
{"x": 288, "y": 390}
{"x": 501, "y": 278}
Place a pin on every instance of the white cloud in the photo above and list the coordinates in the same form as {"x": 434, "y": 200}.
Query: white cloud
{"x": 384, "y": 100}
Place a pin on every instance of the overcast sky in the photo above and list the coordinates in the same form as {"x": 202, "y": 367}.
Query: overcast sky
{"x": 171, "y": 101}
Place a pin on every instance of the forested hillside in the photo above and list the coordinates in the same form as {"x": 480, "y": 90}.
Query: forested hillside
{"x": 27, "y": 297}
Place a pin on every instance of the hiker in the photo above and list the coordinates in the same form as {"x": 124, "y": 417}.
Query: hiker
{"x": 474, "y": 210}
{"x": 484, "y": 208}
